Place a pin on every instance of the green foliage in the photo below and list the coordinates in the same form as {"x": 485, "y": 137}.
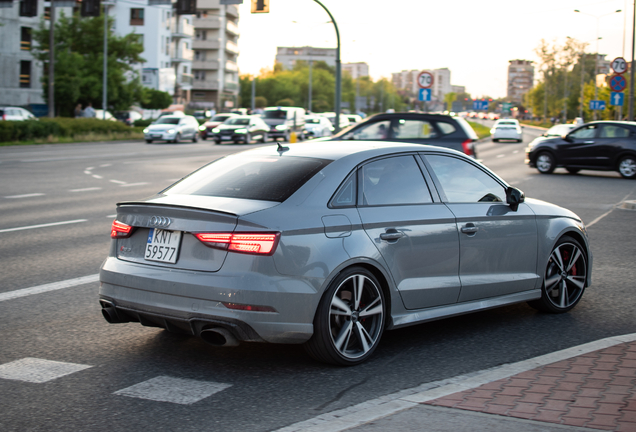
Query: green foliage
{"x": 481, "y": 130}
{"x": 260, "y": 102}
{"x": 155, "y": 99}
{"x": 285, "y": 102}
{"x": 143, "y": 123}
{"x": 79, "y": 57}
{"x": 57, "y": 127}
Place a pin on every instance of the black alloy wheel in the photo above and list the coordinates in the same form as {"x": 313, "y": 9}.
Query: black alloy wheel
{"x": 545, "y": 163}
{"x": 627, "y": 167}
{"x": 350, "y": 319}
{"x": 565, "y": 277}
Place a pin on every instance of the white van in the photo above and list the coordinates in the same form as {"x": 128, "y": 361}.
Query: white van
{"x": 282, "y": 121}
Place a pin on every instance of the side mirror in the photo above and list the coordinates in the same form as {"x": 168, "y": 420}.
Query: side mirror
{"x": 567, "y": 138}
{"x": 514, "y": 197}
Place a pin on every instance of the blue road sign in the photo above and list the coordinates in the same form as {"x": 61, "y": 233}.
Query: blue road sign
{"x": 480, "y": 105}
{"x": 617, "y": 98}
{"x": 618, "y": 83}
{"x": 597, "y": 105}
{"x": 425, "y": 94}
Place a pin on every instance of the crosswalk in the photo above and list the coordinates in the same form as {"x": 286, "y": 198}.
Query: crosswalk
{"x": 160, "y": 389}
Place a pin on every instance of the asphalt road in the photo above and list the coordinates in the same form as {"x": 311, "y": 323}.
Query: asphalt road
{"x": 57, "y": 204}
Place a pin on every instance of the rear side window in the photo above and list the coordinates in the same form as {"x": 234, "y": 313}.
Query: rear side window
{"x": 611, "y": 131}
{"x": 259, "y": 178}
{"x": 414, "y": 129}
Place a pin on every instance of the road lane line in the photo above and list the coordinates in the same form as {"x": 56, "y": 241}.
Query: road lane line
{"x": 135, "y": 184}
{"x": 48, "y": 287}
{"x": 500, "y": 156}
{"x": 42, "y": 225}
{"x": 85, "y": 189}
{"x": 97, "y": 176}
{"x": 25, "y": 195}
{"x": 118, "y": 182}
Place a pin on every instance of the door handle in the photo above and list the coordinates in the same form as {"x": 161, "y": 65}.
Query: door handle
{"x": 393, "y": 235}
{"x": 469, "y": 228}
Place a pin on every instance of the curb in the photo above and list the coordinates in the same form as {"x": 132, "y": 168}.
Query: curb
{"x": 394, "y": 403}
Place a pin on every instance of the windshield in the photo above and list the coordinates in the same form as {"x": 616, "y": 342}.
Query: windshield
{"x": 312, "y": 120}
{"x": 250, "y": 177}
{"x": 220, "y": 118}
{"x": 237, "y": 121}
{"x": 275, "y": 114}
{"x": 167, "y": 120}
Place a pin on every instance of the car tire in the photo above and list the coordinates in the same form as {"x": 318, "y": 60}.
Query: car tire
{"x": 545, "y": 163}
{"x": 495, "y": 140}
{"x": 177, "y": 138}
{"x": 248, "y": 138}
{"x": 217, "y": 141}
{"x": 560, "y": 294}
{"x": 350, "y": 319}
{"x": 203, "y": 137}
{"x": 149, "y": 141}
{"x": 627, "y": 167}
{"x": 264, "y": 138}
{"x": 195, "y": 138}
{"x": 572, "y": 170}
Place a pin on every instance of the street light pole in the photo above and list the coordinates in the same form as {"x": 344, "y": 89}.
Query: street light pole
{"x": 105, "y": 74}
{"x": 338, "y": 69}
{"x": 52, "y": 61}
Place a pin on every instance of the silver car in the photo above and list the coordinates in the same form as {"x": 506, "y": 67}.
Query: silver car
{"x": 329, "y": 244}
{"x": 172, "y": 128}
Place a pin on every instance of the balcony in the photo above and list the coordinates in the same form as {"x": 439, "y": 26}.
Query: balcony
{"x": 232, "y": 11}
{"x": 232, "y": 47}
{"x": 206, "y": 44}
{"x": 182, "y": 55}
{"x": 205, "y": 85}
{"x": 232, "y": 28}
{"x": 183, "y": 30}
{"x": 231, "y": 86}
{"x": 213, "y": 23}
{"x": 208, "y": 4}
{"x": 186, "y": 81}
{"x": 231, "y": 66}
{"x": 205, "y": 65}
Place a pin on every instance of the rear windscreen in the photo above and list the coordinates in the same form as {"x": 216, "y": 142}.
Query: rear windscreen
{"x": 275, "y": 114}
{"x": 266, "y": 178}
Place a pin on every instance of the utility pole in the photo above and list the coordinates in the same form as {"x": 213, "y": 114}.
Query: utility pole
{"x": 253, "y": 94}
{"x": 310, "y": 90}
{"x": 105, "y": 74}
{"x": 338, "y": 69}
{"x": 52, "y": 61}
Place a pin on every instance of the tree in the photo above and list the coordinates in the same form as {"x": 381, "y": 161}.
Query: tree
{"x": 79, "y": 59}
{"x": 155, "y": 99}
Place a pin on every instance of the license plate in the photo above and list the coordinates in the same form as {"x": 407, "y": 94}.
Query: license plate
{"x": 163, "y": 245}
{"x": 226, "y": 136}
{"x": 157, "y": 136}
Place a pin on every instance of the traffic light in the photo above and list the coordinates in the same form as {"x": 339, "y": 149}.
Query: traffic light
{"x": 260, "y": 6}
{"x": 90, "y": 8}
{"x": 186, "y": 7}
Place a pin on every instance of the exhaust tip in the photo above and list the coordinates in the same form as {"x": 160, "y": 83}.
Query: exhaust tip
{"x": 218, "y": 336}
{"x": 112, "y": 316}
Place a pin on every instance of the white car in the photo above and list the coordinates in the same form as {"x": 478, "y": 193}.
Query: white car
{"x": 15, "y": 114}
{"x": 172, "y": 128}
{"x": 508, "y": 129}
{"x": 317, "y": 126}
{"x": 99, "y": 114}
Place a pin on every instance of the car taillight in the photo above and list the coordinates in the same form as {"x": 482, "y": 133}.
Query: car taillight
{"x": 467, "y": 146}
{"x": 120, "y": 230}
{"x": 249, "y": 308}
{"x": 249, "y": 243}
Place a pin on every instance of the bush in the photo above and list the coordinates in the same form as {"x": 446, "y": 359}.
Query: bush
{"x": 143, "y": 123}
{"x": 57, "y": 127}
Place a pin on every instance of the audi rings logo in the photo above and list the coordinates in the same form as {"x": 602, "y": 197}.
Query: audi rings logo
{"x": 160, "y": 221}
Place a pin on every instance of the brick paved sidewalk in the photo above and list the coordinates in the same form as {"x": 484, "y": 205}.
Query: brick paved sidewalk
{"x": 595, "y": 390}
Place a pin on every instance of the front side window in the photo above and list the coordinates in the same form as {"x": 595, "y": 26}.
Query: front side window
{"x": 463, "y": 182}
{"x": 585, "y": 132}
{"x": 392, "y": 181}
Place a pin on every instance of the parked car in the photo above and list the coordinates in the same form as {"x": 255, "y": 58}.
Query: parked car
{"x": 214, "y": 122}
{"x": 508, "y": 129}
{"x": 202, "y": 114}
{"x": 354, "y": 119}
{"x": 283, "y": 121}
{"x": 241, "y": 129}
{"x": 15, "y": 114}
{"x": 99, "y": 115}
{"x": 599, "y": 146}
{"x": 329, "y": 244}
{"x": 434, "y": 129}
{"x": 173, "y": 128}
{"x": 128, "y": 117}
{"x": 344, "y": 120}
{"x": 317, "y": 126}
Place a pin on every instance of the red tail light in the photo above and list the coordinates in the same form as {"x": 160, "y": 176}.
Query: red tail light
{"x": 467, "y": 146}
{"x": 249, "y": 308}
{"x": 249, "y": 243}
{"x": 120, "y": 230}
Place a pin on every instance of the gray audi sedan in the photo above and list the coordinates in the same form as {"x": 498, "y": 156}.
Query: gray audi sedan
{"x": 330, "y": 244}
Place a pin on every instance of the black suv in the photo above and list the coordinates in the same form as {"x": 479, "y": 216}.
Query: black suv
{"x": 410, "y": 127}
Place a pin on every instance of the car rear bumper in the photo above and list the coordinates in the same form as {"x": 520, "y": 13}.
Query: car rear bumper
{"x": 191, "y": 301}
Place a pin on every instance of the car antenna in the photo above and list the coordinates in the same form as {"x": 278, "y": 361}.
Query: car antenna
{"x": 281, "y": 149}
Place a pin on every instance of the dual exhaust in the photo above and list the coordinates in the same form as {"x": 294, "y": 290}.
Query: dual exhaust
{"x": 217, "y": 336}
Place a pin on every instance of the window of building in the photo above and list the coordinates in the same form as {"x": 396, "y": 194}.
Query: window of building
{"x": 198, "y": 96}
{"x": 28, "y": 8}
{"x": 25, "y": 74}
{"x": 185, "y": 69}
{"x": 199, "y": 75}
{"x": 47, "y": 13}
{"x": 201, "y": 35}
{"x": 136, "y": 16}
{"x": 25, "y": 39}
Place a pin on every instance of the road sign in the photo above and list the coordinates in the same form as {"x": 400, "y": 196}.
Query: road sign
{"x": 597, "y": 105}
{"x": 619, "y": 65}
{"x": 425, "y": 79}
{"x": 618, "y": 83}
{"x": 506, "y": 107}
{"x": 425, "y": 94}
{"x": 479, "y": 105}
{"x": 617, "y": 99}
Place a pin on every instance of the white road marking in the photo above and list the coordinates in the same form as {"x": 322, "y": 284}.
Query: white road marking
{"x": 118, "y": 182}
{"x": 515, "y": 152}
{"x": 500, "y": 156}
{"x": 48, "y": 287}
{"x": 176, "y": 390}
{"x": 87, "y": 172}
{"x": 25, "y": 195}
{"x": 608, "y": 212}
{"x": 384, "y": 406}
{"x": 43, "y": 225}
{"x": 97, "y": 176}
{"x": 105, "y": 165}
{"x": 85, "y": 189}
{"x": 111, "y": 216}
{"x": 36, "y": 370}
{"x": 90, "y": 168}
{"x": 134, "y": 184}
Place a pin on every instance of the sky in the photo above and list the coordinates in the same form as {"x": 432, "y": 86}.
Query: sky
{"x": 474, "y": 39}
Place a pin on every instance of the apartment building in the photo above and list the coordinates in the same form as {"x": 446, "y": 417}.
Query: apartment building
{"x": 407, "y": 80}
{"x": 215, "y": 67}
{"x": 288, "y": 56}
{"x": 356, "y": 70}
{"x": 520, "y": 79}
{"x": 20, "y": 73}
